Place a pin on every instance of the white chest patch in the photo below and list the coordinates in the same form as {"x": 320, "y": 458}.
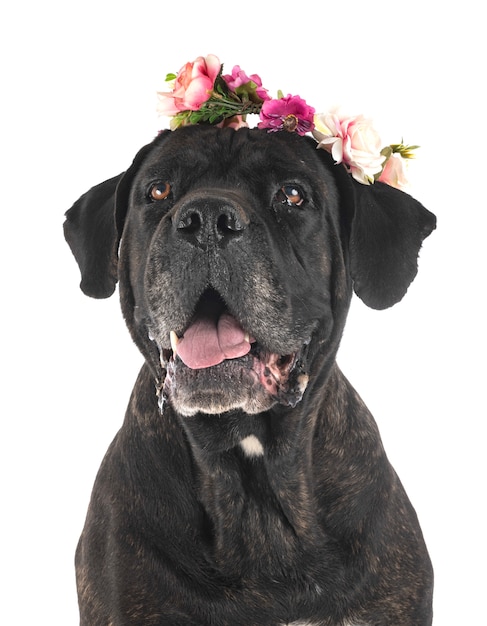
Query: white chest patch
{"x": 252, "y": 446}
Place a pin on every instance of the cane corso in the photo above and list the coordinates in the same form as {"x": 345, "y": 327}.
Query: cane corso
{"x": 248, "y": 485}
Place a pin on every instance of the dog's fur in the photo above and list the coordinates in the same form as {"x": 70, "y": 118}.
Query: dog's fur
{"x": 254, "y": 491}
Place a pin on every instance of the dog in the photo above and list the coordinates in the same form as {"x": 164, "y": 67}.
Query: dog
{"x": 248, "y": 484}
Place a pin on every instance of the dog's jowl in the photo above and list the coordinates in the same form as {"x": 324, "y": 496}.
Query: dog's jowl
{"x": 248, "y": 485}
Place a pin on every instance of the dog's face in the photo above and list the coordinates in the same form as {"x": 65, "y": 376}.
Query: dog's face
{"x": 227, "y": 246}
{"x": 237, "y": 256}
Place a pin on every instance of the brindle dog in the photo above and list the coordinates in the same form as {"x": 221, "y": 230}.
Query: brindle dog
{"x": 248, "y": 484}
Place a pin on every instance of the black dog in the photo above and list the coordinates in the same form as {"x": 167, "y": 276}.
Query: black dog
{"x": 248, "y": 484}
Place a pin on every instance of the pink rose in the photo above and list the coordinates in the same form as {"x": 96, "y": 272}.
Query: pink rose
{"x": 290, "y": 113}
{"x": 394, "y": 172}
{"x": 192, "y": 87}
{"x": 239, "y": 83}
{"x": 351, "y": 141}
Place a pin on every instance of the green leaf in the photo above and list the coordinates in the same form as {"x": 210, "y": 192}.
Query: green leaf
{"x": 404, "y": 150}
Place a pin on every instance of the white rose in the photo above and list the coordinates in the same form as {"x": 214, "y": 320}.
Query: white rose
{"x": 352, "y": 141}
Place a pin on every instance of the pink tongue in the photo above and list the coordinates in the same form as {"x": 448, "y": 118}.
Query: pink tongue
{"x": 208, "y": 342}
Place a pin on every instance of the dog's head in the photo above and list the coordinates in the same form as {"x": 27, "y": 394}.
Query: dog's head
{"x": 239, "y": 250}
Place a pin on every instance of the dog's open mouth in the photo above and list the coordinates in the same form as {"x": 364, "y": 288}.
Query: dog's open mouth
{"x": 212, "y": 336}
{"x": 215, "y": 356}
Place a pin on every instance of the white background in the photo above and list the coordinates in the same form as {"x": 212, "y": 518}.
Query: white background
{"x": 78, "y": 84}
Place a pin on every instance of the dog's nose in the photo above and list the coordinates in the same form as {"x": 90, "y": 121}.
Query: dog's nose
{"x": 207, "y": 222}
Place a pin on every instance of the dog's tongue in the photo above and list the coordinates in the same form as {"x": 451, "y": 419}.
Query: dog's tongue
{"x": 209, "y": 341}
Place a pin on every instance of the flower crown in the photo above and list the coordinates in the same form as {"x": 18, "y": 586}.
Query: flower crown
{"x": 202, "y": 94}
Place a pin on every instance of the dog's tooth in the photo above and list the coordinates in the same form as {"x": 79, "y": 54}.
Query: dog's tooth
{"x": 247, "y": 337}
{"x": 174, "y": 343}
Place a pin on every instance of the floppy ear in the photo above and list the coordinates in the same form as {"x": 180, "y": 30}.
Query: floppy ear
{"x": 387, "y": 231}
{"x": 91, "y": 233}
{"x": 93, "y": 229}
{"x": 384, "y": 228}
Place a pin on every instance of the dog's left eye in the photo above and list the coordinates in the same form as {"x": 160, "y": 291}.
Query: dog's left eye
{"x": 159, "y": 191}
{"x": 290, "y": 195}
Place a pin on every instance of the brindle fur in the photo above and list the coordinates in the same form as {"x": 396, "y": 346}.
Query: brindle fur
{"x": 185, "y": 525}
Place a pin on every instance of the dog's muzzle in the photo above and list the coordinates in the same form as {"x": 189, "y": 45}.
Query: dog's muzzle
{"x": 214, "y": 365}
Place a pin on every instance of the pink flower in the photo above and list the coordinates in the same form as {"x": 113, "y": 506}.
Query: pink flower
{"x": 394, "y": 172}
{"x": 289, "y": 113}
{"x": 351, "y": 141}
{"x": 192, "y": 87}
{"x": 240, "y": 83}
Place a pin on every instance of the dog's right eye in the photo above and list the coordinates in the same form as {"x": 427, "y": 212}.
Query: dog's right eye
{"x": 159, "y": 191}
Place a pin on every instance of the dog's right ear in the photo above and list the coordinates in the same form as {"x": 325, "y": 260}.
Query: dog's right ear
{"x": 91, "y": 233}
{"x": 93, "y": 229}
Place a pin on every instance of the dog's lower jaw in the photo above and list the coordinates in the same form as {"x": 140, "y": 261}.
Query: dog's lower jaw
{"x": 253, "y": 384}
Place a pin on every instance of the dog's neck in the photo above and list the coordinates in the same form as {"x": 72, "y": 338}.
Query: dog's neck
{"x": 255, "y": 476}
{"x": 256, "y": 496}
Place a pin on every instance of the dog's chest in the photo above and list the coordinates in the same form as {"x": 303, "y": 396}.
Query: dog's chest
{"x": 308, "y": 623}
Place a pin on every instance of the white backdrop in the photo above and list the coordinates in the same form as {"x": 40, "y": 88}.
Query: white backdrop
{"x": 78, "y": 100}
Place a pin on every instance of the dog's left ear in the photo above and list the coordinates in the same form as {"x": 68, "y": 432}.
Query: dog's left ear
{"x": 93, "y": 229}
{"x": 386, "y": 228}
{"x": 387, "y": 231}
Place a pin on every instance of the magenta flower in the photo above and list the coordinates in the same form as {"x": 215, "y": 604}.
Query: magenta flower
{"x": 290, "y": 113}
{"x": 240, "y": 83}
